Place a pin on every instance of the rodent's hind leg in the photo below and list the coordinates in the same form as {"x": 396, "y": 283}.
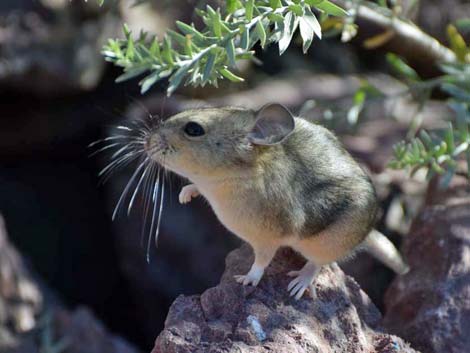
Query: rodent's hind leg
{"x": 263, "y": 256}
{"x": 303, "y": 280}
{"x": 187, "y": 193}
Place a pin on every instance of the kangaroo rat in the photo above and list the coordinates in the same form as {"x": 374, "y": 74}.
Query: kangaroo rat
{"x": 274, "y": 180}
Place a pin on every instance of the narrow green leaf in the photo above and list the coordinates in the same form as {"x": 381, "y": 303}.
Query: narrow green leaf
{"x": 441, "y": 149}
{"x": 426, "y": 139}
{"x": 149, "y": 81}
{"x": 177, "y": 37}
{"x": 231, "y": 76}
{"x": 130, "y": 49}
{"x": 290, "y": 24}
{"x": 209, "y": 67}
{"x": 306, "y": 32}
{"x": 245, "y": 39}
{"x": 275, "y": 4}
{"x": 188, "y": 46}
{"x": 309, "y": 26}
{"x": 155, "y": 49}
{"x": 131, "y": 74}
{"x": 126, "y": 30}
{"x": 231, "y": 6}
{"x": 353, "y": 114}
{"x": 261, "y": 33}
{"x": 359, "y": 97}
{"x": 456, "y": 92}
{"x": 401, "y": 67}
{"x": 297, "y": 9}
{"x": 328, "y": 7}
{"x": 210, "y": 11}
{"x": 249, "y": 10}
{"x": 177, "y": 77}
{"x": 217, "y": 23}
{"x": 449, "y": 138}
{"x": 187, "y": 29}
{"x": 436, "y": 167}
{"x": 312, "y": 21}
{"x": 457, "y": 43}
{"x": 230, "y": 48}
{"x": 167, "y": 51}
{"x": 462, "y": 118}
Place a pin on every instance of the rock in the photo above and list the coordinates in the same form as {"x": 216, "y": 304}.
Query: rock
{"x": 33, "y": 320}
{"x": 20, "y": 297}
{"x": 234, "y": 318}
{"x": 53, "y": 50}
{"x": 430, "y": 306}
{"x": 83, "y": 333}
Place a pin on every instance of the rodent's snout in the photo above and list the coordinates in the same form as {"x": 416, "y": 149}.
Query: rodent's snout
{"x": 155, "y": 145}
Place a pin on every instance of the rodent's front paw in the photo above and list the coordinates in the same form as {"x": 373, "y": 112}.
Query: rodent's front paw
{"x": 246, "y": 280}
{"x": 187, "y": 193}
{"x": 253, "y": 277}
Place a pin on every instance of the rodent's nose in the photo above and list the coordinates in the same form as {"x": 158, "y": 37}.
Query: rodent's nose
{"x": 154, "y": 145}
{"x": 149, "y": 144}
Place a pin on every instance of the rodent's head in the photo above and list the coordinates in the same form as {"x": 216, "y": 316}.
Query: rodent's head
{"x": 212, "y": 142}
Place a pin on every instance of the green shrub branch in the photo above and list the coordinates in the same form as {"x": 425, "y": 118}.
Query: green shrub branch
{"x": 197, "y": 57}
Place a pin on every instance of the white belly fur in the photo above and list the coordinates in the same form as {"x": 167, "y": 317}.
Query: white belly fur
{"x": 328, "y": 246}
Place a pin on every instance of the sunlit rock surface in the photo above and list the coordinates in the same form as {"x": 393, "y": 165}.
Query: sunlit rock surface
{"x": 233, "y": 318}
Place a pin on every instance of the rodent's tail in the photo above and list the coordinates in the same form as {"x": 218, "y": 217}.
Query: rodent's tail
{"x": 383, "y": 250}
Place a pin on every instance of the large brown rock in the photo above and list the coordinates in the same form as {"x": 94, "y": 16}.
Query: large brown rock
{"x": 234, "y": 318}
{"x": 430, "y": 306}
{"x": 33, "y": 320}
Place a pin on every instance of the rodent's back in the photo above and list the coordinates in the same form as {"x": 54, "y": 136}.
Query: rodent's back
{"x": 313, "y": 182}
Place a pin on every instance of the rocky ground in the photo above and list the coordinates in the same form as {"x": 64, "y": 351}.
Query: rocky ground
{"x": 33, "y": 319}
{"x": 232, "y": 318}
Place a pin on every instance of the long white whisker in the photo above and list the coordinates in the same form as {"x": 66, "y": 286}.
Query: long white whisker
{"x": 162, "y": 196}
{"x": 121, "y": 127}
{"x": 107, "y": 147}
{"x": 154, "y": 213}
{"x": 147, "y": 194}
{"x": 126, "y": 189}
{"x": 121, "y": 150}
{"x": 116, "y": 161}
{"x": 131, "y": 202}
{"x": 122, "y": 162}
{"x": 131, "y": 146}
{"x": 110, "y": 138}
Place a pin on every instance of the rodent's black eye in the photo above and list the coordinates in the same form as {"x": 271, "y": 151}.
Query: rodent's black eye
{"x": 193, "y": 129}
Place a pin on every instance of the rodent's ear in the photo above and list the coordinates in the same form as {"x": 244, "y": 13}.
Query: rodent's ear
{"x": 274, "y": 123}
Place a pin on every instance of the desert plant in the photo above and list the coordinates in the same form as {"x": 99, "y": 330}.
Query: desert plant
{"x": 199, "y": 56}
